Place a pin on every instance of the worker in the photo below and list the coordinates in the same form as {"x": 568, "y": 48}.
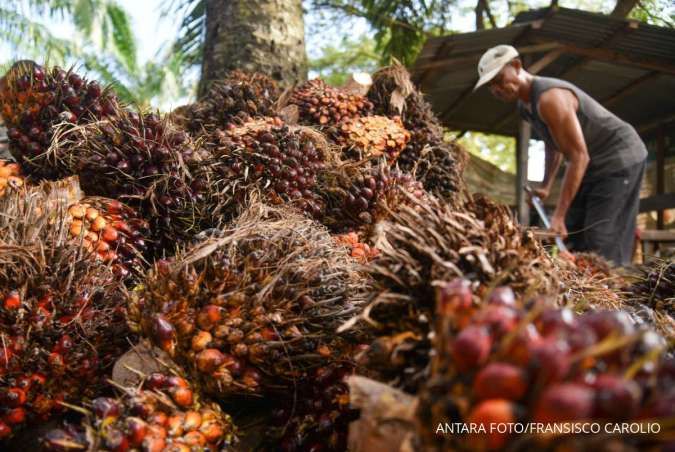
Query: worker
{"x": 600, "y": 194}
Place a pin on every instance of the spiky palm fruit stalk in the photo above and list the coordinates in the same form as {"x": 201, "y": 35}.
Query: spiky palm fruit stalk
{"x": 439, "y": 164}
{"x": 11, "y": 178}
{"x": 359, "y": 194}
{"x": 62, "y": 317}
{"x": 34, "y": 99}
{"x": 164, "y": 414}
{"x": 372, "y": 136}
{"x": 654, "y": 286}
{"x": 502, "y": 362}
{"x": 320, "y": 416}
{"x": 256, "y": 309}
{"x": 111, "y": 231}
{"x": 321, "y": 104}
{"x": 238, "y": 98}
{"x": 281, "y": 161}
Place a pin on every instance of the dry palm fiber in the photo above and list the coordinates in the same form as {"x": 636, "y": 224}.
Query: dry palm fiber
{"x": 163, "y": 413}
{"x": 358, "y": 194}
{"x": 371, "y": 137}
{"x": 62, "y": 318}
{"x": 238, "y": 98}
{"x": 323, "y": 105}
{"x": 439, "y": 164}
{"x": 653, "y": 286}
{"x": 34, "y": 99}
{"x": 253, "y": 311}
{"x": 280, "y": 161}
{"x": 506, "y": 360}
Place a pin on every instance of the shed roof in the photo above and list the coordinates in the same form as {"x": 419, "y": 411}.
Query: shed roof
{"x": 628, "y": 66}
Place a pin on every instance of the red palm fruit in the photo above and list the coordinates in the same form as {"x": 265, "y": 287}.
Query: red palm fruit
{"x": 103, "y": 407}
{"x": 471, "y": 347}
{"x": 251, "y": 378}
{"x": 201, "y": 340}
{"x": 605, "y": 323}
{"x": 182, "y": 396}
{"x": 487, "y": 413}
{"x": 520, "y": 348}
{"x": 174, "y": 381}
{"x": 158, "y": 418}
{"x": 137, "y": 429}
{"x": 192, "y": 421}
{"x": 500, "y": 381}
{"x": 195, "y": 439}
{"x": 616, "y": 398}
{"x": 15, "y": 416}
{"x": 209, "y": 360}
{"x": 212, "y": 431}
{"x": 209, "y": 316}
{"x": 5, "y": 430}
{"x": 500, "y": 320}
{"x": 109, "y": 234}
{"x": 502, "y": 296}
{"x": 156, "y": 431}
{"x": 550, "y": 361}
{"x": 453, "y": 296}
{"x": 15, "y": 397}
{"x": 12, "y": 300}
{"x": 156, "y": 380}
{"x": 175, "y": 425}
{"x": 556, "y": 320}
{"x": 153, "y": 444}
{"x": 565, "y": 402}
{"x": 115, "y": 440}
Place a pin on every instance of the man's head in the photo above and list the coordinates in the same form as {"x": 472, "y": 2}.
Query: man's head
{"x": 500, "y": 69}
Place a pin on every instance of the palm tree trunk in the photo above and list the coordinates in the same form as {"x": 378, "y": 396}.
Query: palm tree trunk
{"x": 623, "y": 8}
{"x": 254, "y": 35}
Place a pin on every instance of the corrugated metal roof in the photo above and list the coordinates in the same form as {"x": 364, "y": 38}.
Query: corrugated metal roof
{"x": 601, "y": 54}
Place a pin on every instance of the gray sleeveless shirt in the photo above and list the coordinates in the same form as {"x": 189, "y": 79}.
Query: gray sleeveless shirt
{"x": 612, "y": 144}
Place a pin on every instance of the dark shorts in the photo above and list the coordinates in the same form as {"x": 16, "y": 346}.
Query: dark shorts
{"x": 603, "y": 214}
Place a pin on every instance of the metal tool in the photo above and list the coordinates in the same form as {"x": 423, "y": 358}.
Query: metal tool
{"x": 539, "y": 207}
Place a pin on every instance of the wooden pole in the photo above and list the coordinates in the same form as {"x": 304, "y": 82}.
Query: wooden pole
{"x": 522, "y": 146}
{"x": 660, "y": 171}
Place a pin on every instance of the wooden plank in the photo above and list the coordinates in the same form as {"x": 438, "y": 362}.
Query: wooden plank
{"x": 647, "y": 126}
{"x": 657, "y": 235}
{"x": 522, "y": 146}
{"x": 657, "y": 202}
{"x": 630, "y": 88}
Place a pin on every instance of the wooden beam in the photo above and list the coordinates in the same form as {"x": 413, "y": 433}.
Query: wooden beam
{"x": 660, "y": 171}
{"x": 629, "y": 88}
{"x": 657, "y": 202}
{"x": 647, "y": 126}
{"x": 522, "y": 146}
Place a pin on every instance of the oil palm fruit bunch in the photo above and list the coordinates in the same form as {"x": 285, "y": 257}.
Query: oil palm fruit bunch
{"x": 62, "y": 317}
{"x": 111, "y": 230}
{"x": 34, "y": 99}
{"x": 654, "y": 286}
{"x": 320, "y": 418}
{"x": 321, "y": 104}
{"x": 505, "y": 361}
{"x": 239, "y": 97}
{"x": 257, "y": 308}
{"x": 281, "y": 161}
{"x": 11, "y": 178}
{"x": 359, "y": 194}
{"x": 372, "y": 136}
{"x": 164, "y": 414}
{"x": 437, "y": 164}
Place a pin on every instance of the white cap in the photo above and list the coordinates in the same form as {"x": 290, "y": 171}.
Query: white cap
{"x": 493, "y": 61}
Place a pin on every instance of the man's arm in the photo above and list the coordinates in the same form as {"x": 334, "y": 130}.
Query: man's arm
{"x": 558, "y": 108}
{"x": 552, "y": 161}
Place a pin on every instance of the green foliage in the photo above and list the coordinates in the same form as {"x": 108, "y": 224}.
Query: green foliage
{"x": 496, "y": 149}
{"x": 337, "y": 63}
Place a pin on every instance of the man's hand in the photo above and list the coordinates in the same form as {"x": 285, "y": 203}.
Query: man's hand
{"x": 542, "y": 192}
{"x": 558, "y": 225}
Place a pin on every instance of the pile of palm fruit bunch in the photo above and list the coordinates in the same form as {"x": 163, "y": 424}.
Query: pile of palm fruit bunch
{"x": 236, "y": 99}
{"x": 33, "y": 99}
{"x": 323, "y": 105}
{"x": 372, "y": 136}
{"x": 253, "y": 309}
{"x": 11, "y": 178}
{"x": 163, "y": 413}
{"x": 267, "y": 155}
{"x": 62, "y": 318}
{"x": 506, "y": 359}
{"x": 653, "y": 286}
{"x": 436, "y": 164}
